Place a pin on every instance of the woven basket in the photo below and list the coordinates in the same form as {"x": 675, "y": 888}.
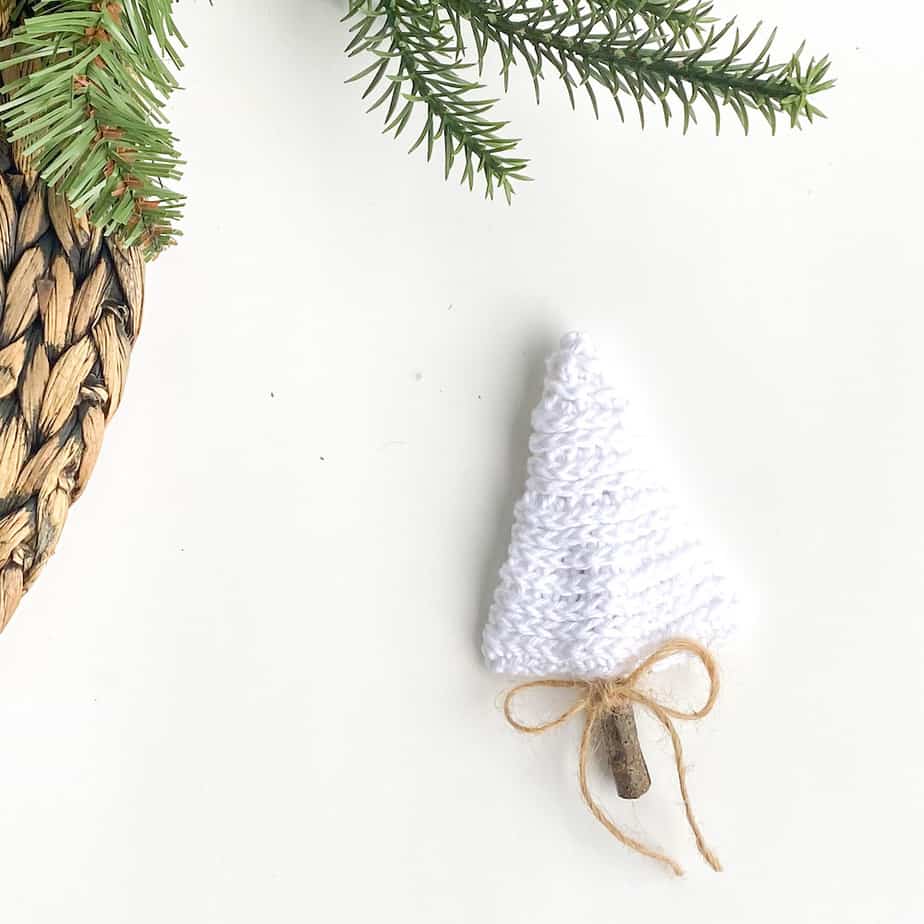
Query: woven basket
{"x": 71, "y": 310}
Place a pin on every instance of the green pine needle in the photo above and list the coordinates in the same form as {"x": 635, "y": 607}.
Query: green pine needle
{"x": 88, "y": 110}
{"x": 672, "y": 55}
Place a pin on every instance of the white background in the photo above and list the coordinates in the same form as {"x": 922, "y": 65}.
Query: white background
{"x": 248, "y": 687}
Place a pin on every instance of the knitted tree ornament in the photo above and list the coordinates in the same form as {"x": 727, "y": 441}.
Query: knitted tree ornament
{"x": 602, "y": 582}
{"x": 599, "y": 572}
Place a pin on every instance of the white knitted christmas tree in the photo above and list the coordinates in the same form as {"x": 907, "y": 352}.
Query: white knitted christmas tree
{"x": 599, "y": 571}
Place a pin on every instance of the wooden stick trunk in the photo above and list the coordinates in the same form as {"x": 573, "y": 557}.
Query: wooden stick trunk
{"x": 623, "y": 751}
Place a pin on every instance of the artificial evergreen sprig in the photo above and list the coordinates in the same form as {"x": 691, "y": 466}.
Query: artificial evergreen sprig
{"x": 418, "y": 55}
{"x": 87, "y": 108}
{"x": 647, "y": 52}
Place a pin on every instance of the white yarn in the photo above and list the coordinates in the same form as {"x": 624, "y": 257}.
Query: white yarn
{"x": 599, "y": 572}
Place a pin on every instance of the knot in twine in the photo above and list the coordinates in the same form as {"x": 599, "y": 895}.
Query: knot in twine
{"x": 598, "y": 697}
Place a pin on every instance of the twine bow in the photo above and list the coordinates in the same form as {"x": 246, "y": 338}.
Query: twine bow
{"x": 596, "y": 698}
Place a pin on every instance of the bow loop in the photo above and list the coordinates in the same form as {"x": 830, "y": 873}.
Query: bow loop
{"x": 669, "y": 652}
{"x": 579, "y": 704}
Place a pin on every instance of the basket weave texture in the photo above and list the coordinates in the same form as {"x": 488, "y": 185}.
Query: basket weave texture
{"x": 70, "y": 311}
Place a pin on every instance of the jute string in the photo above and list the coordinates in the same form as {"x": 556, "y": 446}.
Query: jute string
{"x": 596, "y": 698}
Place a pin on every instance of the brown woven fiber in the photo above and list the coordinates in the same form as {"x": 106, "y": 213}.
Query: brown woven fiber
{"x": 70, "y": 311}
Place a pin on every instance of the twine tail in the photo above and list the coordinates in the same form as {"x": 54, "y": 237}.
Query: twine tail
{"x": 701, "y": 845}
{"x": 590, "y": 722}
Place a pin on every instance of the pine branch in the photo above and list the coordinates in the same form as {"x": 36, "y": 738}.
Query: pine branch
{"x": 418, "y": 54}
{"x": 647, "y": 67}
{"x": 648, "y": 52}
{"x": 88, "y": 109}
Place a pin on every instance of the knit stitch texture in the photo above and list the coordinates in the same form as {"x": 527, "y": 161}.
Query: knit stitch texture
{"x": 600, "y": 571}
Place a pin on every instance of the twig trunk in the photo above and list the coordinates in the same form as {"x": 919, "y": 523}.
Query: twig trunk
{"x": 624, "y": 753}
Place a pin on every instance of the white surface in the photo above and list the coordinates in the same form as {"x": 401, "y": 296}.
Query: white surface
{"x": 248, "y": 687}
